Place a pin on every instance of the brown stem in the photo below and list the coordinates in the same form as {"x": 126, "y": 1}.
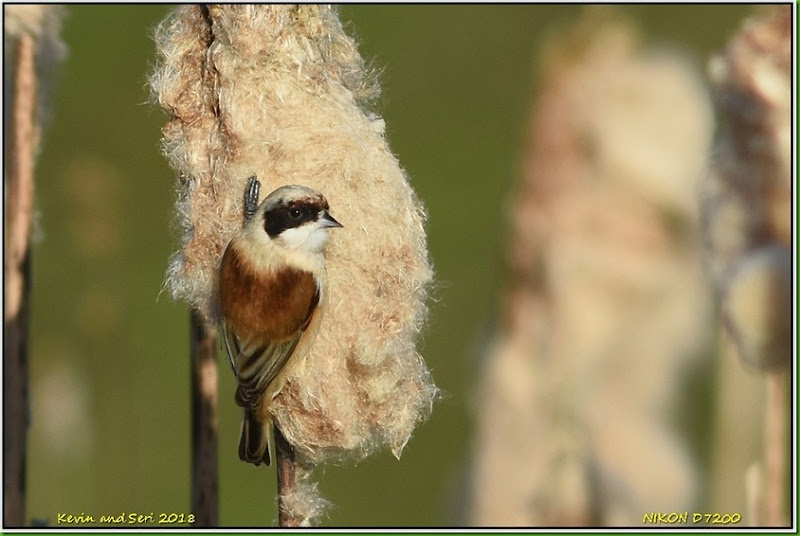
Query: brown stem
{"x": 287, "y": 479}
{"x": 15, "y": 408}
{"x": 775, "y": 443}
{"x": 19, "y": 203}
{"x": 205, "y": 474}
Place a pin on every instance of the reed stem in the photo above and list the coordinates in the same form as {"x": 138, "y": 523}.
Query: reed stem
{"x": 775, "y": 452}
{"x": 287, "y": 479}
{"x": 19, "y": 204}
{"x": 205, "y": 472}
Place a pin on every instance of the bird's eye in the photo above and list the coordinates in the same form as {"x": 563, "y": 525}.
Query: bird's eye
{"x": 295, "y": 213}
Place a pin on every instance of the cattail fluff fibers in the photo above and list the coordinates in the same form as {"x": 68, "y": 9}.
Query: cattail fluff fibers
{"x": 747, "y": 211}
{"x": 279, "y": 92}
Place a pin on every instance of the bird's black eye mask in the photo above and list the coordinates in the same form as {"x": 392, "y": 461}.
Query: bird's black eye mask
{"x": 290, "y": 215}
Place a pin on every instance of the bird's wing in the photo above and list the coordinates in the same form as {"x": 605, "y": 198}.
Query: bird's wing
{"x": 257, "y": 363}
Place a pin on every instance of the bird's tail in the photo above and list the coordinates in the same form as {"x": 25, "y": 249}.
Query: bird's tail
{"x": 254, "y": 442}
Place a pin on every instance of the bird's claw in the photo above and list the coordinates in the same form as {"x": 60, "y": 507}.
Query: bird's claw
{"x": 251, "y": 197}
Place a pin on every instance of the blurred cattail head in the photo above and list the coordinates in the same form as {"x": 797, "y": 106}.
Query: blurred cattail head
{"x": 280, "y": 92}
{"x": 41, "y": 23}
{"x": 33, "y": 50}
{"x": 606, "y": 304}
{"x": 747, "y": 212}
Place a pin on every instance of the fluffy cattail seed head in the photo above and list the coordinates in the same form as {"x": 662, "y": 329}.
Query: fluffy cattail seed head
{"x": 278, "y": 92}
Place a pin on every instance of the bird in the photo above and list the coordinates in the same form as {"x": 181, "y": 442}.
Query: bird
{"x": 272, "y": 289}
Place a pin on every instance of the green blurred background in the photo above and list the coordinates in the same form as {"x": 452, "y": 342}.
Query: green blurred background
{"x": 109, "y": 352}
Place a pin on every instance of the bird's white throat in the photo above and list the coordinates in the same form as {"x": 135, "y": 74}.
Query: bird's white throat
{"x": 310, "y": 237}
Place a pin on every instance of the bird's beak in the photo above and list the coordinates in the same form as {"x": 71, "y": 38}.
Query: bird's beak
{"x": 328, "y": 221}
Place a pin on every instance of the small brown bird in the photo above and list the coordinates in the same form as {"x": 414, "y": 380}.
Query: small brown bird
{"x": 271, "y": 289}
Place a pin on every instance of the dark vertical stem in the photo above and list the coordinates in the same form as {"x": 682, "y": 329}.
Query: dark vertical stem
{"x": 205, "y": 474}
{"x": 19, "y": 203}
{"x": 287, "y": 479}
{"x": 16, "y": 414}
